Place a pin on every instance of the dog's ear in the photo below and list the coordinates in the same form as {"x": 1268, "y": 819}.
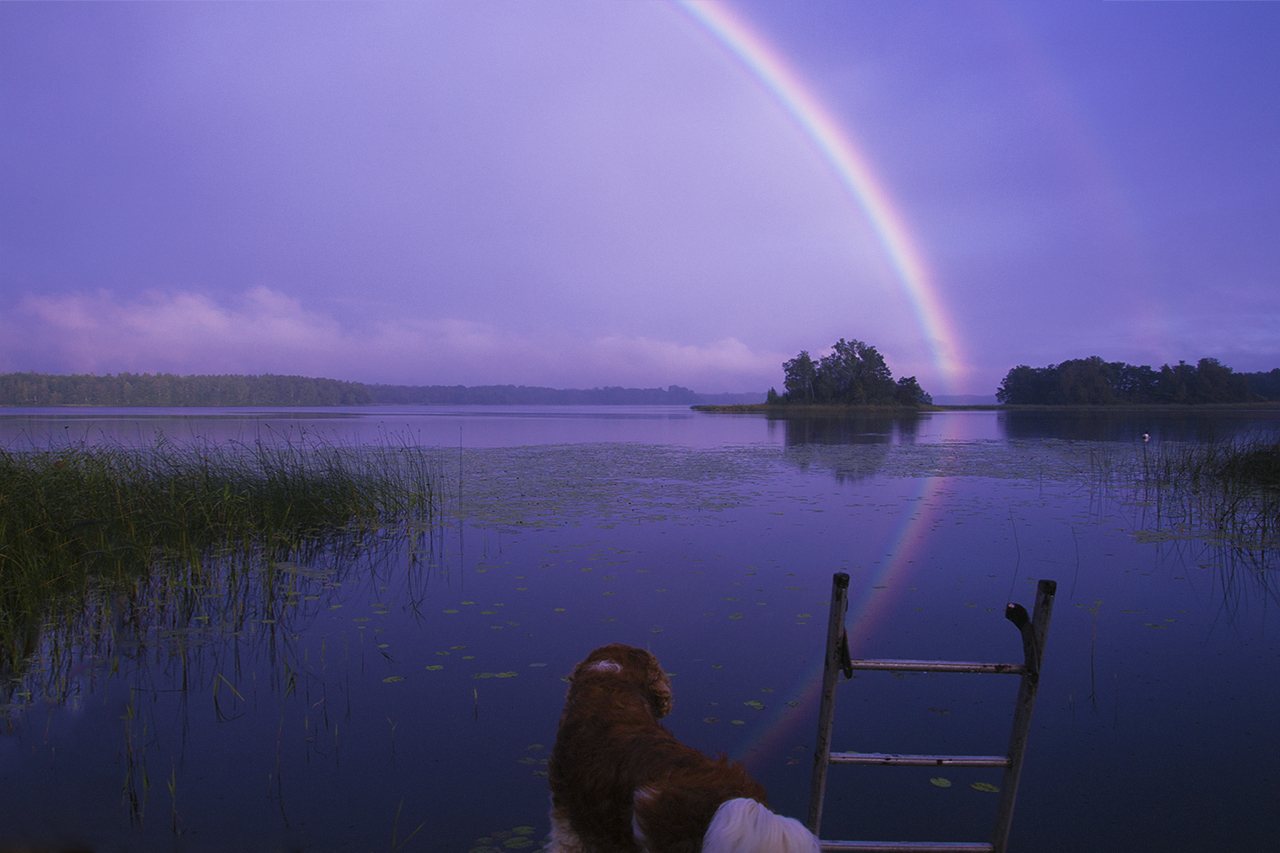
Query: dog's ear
{"x": 659, "y": 688}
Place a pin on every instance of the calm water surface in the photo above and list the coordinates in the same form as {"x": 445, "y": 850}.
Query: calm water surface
{"x": 406, "y": 697}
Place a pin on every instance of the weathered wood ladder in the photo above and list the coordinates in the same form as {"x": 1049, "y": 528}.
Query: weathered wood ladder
{"x": 1033, "y": 629}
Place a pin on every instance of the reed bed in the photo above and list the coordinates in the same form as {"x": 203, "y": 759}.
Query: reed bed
{"x": 1229, "y": 491}
{"x": 85, "y": 529}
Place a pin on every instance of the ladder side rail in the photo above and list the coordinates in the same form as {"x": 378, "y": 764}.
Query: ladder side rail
{"x": 827, "y": 708}
{"x": 1034, "y": 633}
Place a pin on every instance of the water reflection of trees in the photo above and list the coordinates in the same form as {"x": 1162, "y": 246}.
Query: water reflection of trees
{"x": 847, "y": 429}
{"x": 1130, "y": 426}
{"x": 852, "y": 447}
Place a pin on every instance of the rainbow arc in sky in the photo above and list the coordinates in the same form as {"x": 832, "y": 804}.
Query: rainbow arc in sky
{"x": 838, "y": 148}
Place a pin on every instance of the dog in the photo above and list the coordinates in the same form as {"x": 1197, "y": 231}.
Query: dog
{"x": 621, "y": 783}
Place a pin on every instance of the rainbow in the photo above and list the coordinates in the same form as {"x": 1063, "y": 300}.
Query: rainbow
{"x": 852, "y": 168}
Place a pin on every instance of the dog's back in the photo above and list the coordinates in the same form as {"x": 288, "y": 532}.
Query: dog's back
{"x": 615, "y": 773}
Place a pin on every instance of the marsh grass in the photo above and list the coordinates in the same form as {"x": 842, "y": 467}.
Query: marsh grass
{"x": 1230, "y": 490}
{"x": 97, "y": 539}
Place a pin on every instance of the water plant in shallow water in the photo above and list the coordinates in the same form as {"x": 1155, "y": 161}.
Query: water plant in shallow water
{"x": 84, "y": 529}
{"x": 1227, "y": 490}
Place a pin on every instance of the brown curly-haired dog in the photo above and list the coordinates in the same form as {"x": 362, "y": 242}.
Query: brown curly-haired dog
{"x": 621, "y": 783}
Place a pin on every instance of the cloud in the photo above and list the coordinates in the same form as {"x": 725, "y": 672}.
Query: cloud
{"x": 264, "y": 331}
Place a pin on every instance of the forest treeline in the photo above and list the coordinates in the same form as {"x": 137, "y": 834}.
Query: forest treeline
{"x": 532, "y": 395}
{"x": 1092, "y": 381}
{"x": 166, "y": 389}
{"x": 852, "y": 374}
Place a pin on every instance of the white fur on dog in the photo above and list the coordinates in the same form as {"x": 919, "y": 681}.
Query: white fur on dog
{"x": 606, "y": 666}
{"x": 745, "y": 826}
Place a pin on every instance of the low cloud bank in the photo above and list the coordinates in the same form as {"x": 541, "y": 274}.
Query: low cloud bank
{"x": 263, "y": 331}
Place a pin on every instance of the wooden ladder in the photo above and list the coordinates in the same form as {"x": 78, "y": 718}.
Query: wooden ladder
{"x": 1033, "y": 629}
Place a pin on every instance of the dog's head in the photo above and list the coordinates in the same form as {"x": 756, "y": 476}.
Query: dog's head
{"x": 623, "y": 664}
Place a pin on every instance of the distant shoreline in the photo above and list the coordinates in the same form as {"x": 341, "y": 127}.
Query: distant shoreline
{"x": 830, "y": 409}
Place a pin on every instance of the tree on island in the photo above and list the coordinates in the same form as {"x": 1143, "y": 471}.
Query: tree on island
{"x": 1094, "y": 382}
{"x": 853, "y": 374}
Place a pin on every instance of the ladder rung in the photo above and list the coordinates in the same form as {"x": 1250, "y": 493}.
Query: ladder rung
{"x": 938, "y": 666}
{"x": 912, "y": 846}
{"x": 892, "y": 758}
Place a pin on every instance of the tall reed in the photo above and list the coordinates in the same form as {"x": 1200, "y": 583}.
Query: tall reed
{"x": 81, "y": 522}
{"x": 1228, "y": 490}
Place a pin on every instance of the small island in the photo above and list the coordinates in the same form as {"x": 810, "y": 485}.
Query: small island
{"x": 853, "y": 375}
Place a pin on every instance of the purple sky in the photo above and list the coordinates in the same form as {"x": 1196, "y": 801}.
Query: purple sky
{"x": 583, "y": 193}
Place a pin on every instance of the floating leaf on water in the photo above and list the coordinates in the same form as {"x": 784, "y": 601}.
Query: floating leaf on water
{"x": 710, "y": 719}
{"x": 442, "y": 653}
{"x": 383, "y": 645}
{"x": 983, "y": 786}
{"x": 391, "y": 678}
{"x": 535, "y": 746}
{"x": 739, "y": 722}
{"x": 468, "y": 602}
{"x": 527, "y": 760}
{"x": 447, "y": 611}
{"x": 754, "y": 703}
{"x": 361, "y": 619}
{"x": 735, "y": 615}
{"x": 455, "y": 648}
{"x": 505, "y": 675}
{"x": 488, "y": 612}
{"x": 468, "y": 657}
{"x": 940, "y": 782}
{"x": 793, "y": 704}
{"x": 559, "y": 610}
{"x": 522, "y": 830}
{"x": 435, "y": 666}
{"x": 655, "y": 630}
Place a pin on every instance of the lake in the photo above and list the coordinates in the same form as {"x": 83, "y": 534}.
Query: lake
{"x": 405, "y": 696}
